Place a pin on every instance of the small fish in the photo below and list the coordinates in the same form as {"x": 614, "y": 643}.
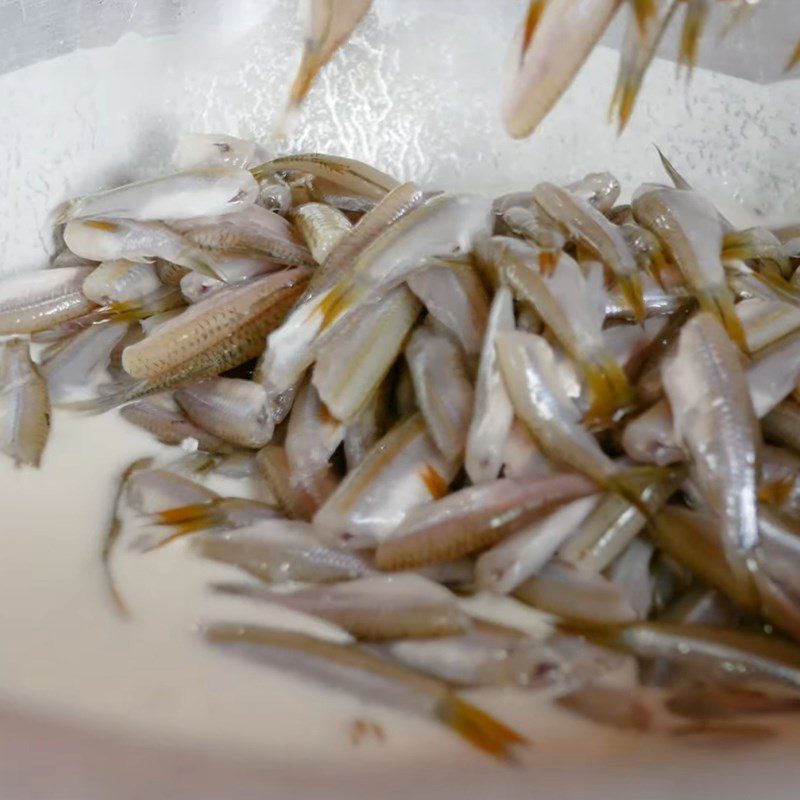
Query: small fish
{"x": 691, "y": 232}
{"x": 251, "y": 229}
{"x": 40, "y": 299}
{"x": 26, "y": 412}
{"x": 586, "y": 224}
{"x": 722, "y": 650}
{"x": 493, "y": 414}
{"x": 104, "y": 240}
{"x": 553, "y": 50}
{"x": 599, "y": 189}
{"x": 403, "y": 470}
{"x": 453, "y": 294}
{"x": 321, "y": 226}
{"x": 442, "y": 387}
{"x": 374, "y": 608}
{"x": 715, "y": 421}
{"x": 576, "y": 594}
{"x": 193, "y": 193}
{"x": 114, "y": 530}
{"x": 472, "y": 519}
{"x": 214, "y": 335}
{"x": 312, "y": 436}
{"x": 334, "y": 178}
{"x": 351, "y": 365}
{"x": 233, "y": 409}
{"x": 511, "y": 561}
{"x": 279, "y": 550}
{"x": 120, "y": 281}
{"x": 357, "y": 670}
{"x": 199, "y": 150}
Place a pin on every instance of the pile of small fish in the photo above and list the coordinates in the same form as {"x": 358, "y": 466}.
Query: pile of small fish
{"x": 554, "y": 40}
{"x": 579, "y": 406}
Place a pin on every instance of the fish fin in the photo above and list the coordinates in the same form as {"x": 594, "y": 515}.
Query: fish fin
{"x": 694, "y": 23}
{"x": 196, "y": 259}
{"x": 777, "y": 492}
{"x": 337, "y": 302}
{"x": 750, "y": 245}
{"x": 478, "y": 728}
{"x": 658, "y": 268}
{"x": 794, "y": 58}
{"x": 548, "y": 260}
{"x": 105, "y": 402}
{"x": 678, "y": 181}
{"x": 719, "y": 302}
{"x": 535, "y": 8}
{"x": 307, "y": 71}
{"x": 608, "y": 388}
{"x": 64, "y": 212}
{"x": 191, "y": 518}
{"x": 631, "y": 483}
{"x": 644, "y": 11}
{"x": 631, "y": 287}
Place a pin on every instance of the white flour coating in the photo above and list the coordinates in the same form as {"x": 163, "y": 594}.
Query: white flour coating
{"x": 68, "y": 126}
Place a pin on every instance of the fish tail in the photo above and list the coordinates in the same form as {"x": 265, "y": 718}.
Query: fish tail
{"x": 535, "y": 8}
{"x": 644, "y": 12}
{"x": 548, "y": 259}
{"x": 693, "y": 24}
{"x": 776, "y": 493}
{"x": 719, "y": 302}
{"x": 658, "y": 267}
{"x": 608, "y": 389}
{"x": 630, "y": 484}
{"x": 191, "y": 518}
{"x": 631, "y": 286}
{"x": 794, "y": 58}
{"x": 105, "y": 402}
{"x": 337, "y": 302}
{"x": 301, "y": 85}
{"x": 478, "y": 728}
